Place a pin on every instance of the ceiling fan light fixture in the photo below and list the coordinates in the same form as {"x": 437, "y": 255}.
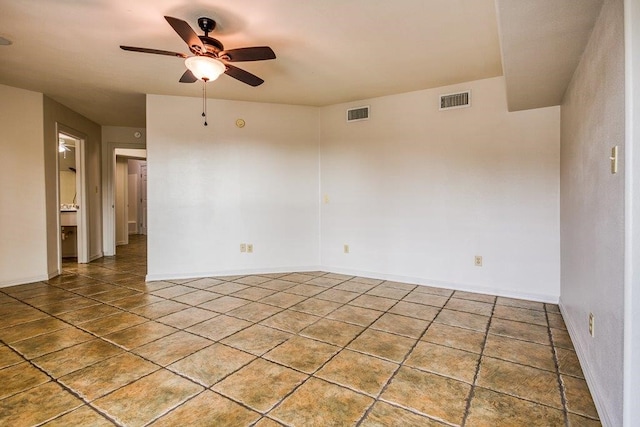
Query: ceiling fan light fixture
{"x": 205, "y": 68}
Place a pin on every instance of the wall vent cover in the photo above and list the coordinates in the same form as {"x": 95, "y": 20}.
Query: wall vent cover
{"x": 455, "y": 100}
{"x": 357, "y": 114}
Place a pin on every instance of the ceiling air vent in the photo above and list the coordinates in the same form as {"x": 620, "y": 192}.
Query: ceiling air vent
{"x": 455, "y": 100}
{"x": 357, "y": 114}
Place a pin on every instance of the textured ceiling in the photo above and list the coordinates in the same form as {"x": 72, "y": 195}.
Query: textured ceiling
{"x": 542, "y": 43}
{"x": 328, "y": 51}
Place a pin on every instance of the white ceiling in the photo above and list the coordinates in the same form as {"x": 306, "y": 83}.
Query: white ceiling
{"x": 542, "y": 43}
{"x": 328, "y": 51}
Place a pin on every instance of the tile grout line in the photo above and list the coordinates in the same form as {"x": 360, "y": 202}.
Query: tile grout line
{"x": 209, "y": 388}
{"x": 126, "y": 350}
{"x": 130, "y": 351}
{"x": 401, "y": 364}
{"x": 310, "y": 376}
{"x": 556, "y": 362}
{"x": 479, "y": 363}
{"x": 60, "y": 384}
{"x": 387, "y": 311}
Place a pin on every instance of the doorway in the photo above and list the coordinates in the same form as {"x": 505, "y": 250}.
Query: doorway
{"x": 130, "y": 197}
{"x": 110, "y": 150}
{"x": 72, "y": 223}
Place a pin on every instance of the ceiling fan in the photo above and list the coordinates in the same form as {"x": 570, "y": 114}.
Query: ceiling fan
{"x": 210, "y": 59}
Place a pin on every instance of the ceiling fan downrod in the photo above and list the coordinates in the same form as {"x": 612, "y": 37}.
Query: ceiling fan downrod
{"x": 207, "y": 25}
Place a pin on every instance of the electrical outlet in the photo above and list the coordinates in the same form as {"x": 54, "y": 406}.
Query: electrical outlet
{"x": 477, "y": 261}
{"x": 250, "y": 248}
{"x": 346, "y": 249}
{"x": 243, "y": 247}
{"x": 592, "y": 320}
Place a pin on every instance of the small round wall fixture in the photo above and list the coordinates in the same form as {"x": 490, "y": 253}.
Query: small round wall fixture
{"x": 137, "y": 134}
{"x": 240, "y": 123}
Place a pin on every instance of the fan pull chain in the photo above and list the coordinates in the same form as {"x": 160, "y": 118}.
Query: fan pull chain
{"x": 204, "y": 100}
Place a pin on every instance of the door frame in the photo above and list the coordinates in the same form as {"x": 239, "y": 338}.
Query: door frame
{"x": 109, "y": 191}
{"x": 142, "y": 212}
{"x": 81, "y": 191}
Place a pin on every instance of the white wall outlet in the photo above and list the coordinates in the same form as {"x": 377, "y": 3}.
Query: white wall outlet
{"x": 592, "y": 321}
{"x": 243, "y": 247}
{"x": 477, "y": 261}
{"x": 346, "y": 249}
{"x": 250, "y": 248}
{"x": 325, "y": 199}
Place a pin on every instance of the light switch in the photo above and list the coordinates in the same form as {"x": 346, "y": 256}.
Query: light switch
{"x": 614, "y": 160}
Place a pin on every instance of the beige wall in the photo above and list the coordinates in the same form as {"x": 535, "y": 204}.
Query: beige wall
{"x": 56, "y": 113}
{"x": 592, "y": 211}
{"x": 23, "y": 249}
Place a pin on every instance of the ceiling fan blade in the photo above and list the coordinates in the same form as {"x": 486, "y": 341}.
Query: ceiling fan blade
{"x": 185, "y": 31}
{"x": 156, "y": 51}
{"x": 243, "y": 76}
{"x": 258, "y": 53}
{"x": 188, "y": 77}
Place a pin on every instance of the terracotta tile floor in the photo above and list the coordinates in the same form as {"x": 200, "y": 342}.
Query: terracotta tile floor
{"x": 99, "y": 346}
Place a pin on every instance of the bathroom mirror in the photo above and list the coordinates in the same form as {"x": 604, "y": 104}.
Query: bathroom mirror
{"x": 67, "y": 169}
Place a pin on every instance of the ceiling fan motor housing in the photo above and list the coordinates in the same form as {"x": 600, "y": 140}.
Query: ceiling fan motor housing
{"x": 213, "y": 45}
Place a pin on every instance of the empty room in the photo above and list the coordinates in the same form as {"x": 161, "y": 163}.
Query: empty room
{"x": 320, "y": 213}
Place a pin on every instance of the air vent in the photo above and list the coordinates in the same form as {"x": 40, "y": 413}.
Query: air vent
{"x": 455, "y": 100}
{"x": 357, "y": 114}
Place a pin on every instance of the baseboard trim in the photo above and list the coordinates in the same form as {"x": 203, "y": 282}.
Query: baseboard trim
{"x": 243, "y": 272}
{"x": 95, "y": 257}
{"x": 553, "y": 299}
{"x": 596, "y": 393}
{"x": 24, "y": 281}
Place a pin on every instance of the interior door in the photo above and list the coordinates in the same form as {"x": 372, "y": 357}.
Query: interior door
{"x": 143, "y": 198}
{"x": 121, "y": 210}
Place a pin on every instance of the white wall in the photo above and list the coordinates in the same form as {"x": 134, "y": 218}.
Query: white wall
{"x": 212, "y": 188}
{"x": 23, "y": 248}
{"x": 632, "y": 213}
{"x": 592, "y": 206}
{"x": 56, "y": 113}
{"x": 417, "y": 193}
